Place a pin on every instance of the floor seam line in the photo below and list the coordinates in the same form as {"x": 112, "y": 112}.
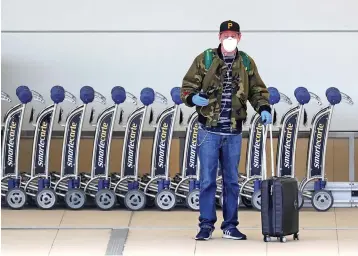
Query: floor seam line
{"x": 130, "y": 219}
{"x": 335, "y": 218}
{"x": 53, "y": 242}
{"x": 63, "y": 216}
{"x": 58, "y": 230}
{"x": 195, "y": 247}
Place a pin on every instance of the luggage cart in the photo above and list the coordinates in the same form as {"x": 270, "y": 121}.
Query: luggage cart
{"x": 290, "y": 124}
{"x": 11, "y": 180}
{"x": 256, "y": 150}
{"x": 36, "y": 185}
{"x": 188, "y": 186}
{"x": 127, "y": 186}
{"x": 98, "y": 183}
{"x": 159, "y": 186}
{"x": 45, "y": 197}
{"x": 68, "y": 183}
{"x": 321, "y": 199}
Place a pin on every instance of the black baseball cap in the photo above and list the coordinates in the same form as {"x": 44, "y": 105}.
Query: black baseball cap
{"x": 230, "y": 25}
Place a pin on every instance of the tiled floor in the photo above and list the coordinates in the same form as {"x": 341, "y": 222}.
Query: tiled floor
{"x": 87, "y": 232}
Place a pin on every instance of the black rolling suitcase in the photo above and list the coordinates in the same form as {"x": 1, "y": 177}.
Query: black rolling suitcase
{"x": 279, "y": 208}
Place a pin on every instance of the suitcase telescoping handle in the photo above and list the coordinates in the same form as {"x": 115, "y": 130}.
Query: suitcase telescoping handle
{"x": 271, "y": 151}
{"x": 264, "y": 162}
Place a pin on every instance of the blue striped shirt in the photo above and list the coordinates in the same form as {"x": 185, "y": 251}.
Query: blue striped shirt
{"x": 224, "y": 122}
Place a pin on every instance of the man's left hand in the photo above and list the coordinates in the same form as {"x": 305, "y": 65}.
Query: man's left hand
{"x": 266, "y": 117}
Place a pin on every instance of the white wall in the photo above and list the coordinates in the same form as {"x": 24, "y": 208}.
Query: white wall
{"x": 152, "y": 43}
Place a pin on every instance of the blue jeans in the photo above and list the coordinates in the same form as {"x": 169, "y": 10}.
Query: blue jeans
{"x": 226, "y": 148}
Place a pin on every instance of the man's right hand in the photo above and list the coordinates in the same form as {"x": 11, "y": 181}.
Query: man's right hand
{"x": 200, "y": 101}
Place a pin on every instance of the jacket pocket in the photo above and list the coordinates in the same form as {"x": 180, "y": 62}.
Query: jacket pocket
{"x": 238, "y": 108}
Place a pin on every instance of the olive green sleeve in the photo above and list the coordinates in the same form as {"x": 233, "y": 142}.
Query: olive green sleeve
{"x": 192, "y": 82}
{"x": 258, "y": 93}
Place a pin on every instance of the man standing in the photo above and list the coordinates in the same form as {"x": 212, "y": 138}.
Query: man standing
{"x": 219, "y": 83}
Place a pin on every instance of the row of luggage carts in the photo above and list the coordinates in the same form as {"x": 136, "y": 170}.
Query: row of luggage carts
{"x": 48, "y": 189}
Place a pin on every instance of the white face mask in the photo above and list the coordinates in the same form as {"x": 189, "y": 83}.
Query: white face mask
{"x": 230, "y": 44}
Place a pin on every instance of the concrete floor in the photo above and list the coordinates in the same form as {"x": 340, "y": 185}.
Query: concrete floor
{"x": 151, "y": 232}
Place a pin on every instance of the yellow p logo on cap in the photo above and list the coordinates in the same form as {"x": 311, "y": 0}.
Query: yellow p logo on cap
{"x": 229, "y": 25}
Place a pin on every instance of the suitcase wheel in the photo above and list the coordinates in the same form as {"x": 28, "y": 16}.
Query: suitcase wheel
{"x": 267, "y": 239}
{"x": 295, "y": 237}
{"x": 283, "y": 239}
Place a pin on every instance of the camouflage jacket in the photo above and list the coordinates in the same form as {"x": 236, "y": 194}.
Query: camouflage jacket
{"x": 247, "y": 86}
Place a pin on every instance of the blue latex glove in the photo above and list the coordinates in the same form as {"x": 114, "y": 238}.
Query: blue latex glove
{"x": 200, "y": 101}
{"x": 266, "y": 117}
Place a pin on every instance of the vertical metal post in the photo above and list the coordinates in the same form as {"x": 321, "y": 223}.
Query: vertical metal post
{"x": 145, "y": 109}
{"x": 78, "y": 140}
{"x": 18, "y": 141}
{"x": 47, "y": 164}
{"x": 114, "y": 118}
{"x": 170, "y": 134}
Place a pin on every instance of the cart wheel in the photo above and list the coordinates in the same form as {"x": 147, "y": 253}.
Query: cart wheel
{"x": 221, "y": 201}
{"x": 75, "y": 199}
{"x": 267, "y": 239}
{"x": 165, "y": 200}
{"x": 16, "y": 198}
{"x": 283, "y": 239}
{"x": 301, "y": 199}
{"x": 295, "y": 237}
{"x": 105, "y": 199}
{"x": 322, "y": 200}
{"x": 192, "y": 200}
{"x": 46, "y": 199}
{"x": 246, "y": 202}
{"x": 256, "y": 200}
{"x": 135, "y": 200}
